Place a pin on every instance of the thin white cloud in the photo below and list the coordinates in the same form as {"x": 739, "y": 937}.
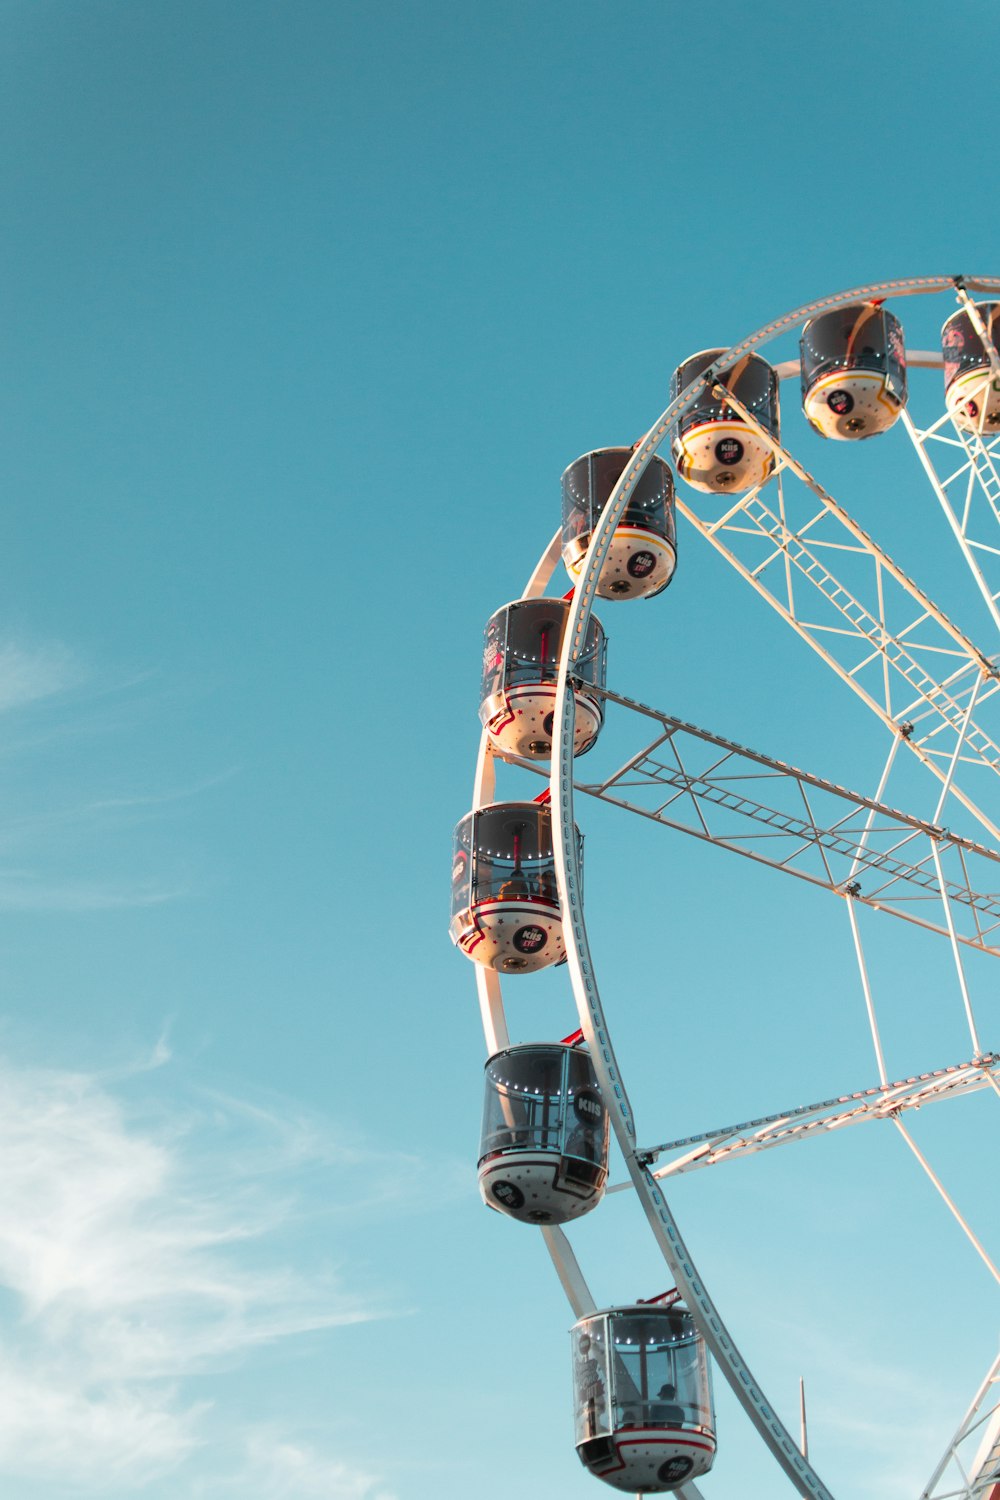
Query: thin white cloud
{"x": 52, "y": 1428}
{"x": 278, "y": 1469}
{"x": 876, "y": 1408}
{"x": 134, "y": 1254}
{"x": 29, "y": 673}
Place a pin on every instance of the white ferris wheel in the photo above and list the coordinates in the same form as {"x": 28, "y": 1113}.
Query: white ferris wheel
{"x": 642, "y": 1388}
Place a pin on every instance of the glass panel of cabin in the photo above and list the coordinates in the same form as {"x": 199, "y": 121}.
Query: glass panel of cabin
{"x": 693, "y": 1381}
{"x": 751, "y": 380}
{"x": 659, "y": 1371}
{"x": 961, "y": 344}
{"x": 587, "y": 485}
{"x": 534, "y": 639}
{"x": 638, "y": 1370}
{"x": 592, "y": 1413}
{"x": 461, "y": 866}
{"x": 847, "y": 338}
{"x": 523, "y": 1109}
{"x": 494, "y": 655}
{"x": 577, "y": 508}
{"x": 513, "y": 854}
{"x": 895, "y": 347}
{"x": 651, "y": 504}
{"x": 755, "y": 383}
{"x": 587, "y": 1123}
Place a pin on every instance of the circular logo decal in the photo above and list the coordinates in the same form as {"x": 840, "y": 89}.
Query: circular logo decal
{"x": 530, "y": 939}
{"x": 675, "y": 1468}
{"x": 641, "y": 564}
{"x": 971, "y": 409}
{"x": 587, "y": 1107}
{"x": 729, "y": 450}
{"x": 840, "y": 402}
{"x": 547, "y": 724}
{"x": 507, "y": 1194}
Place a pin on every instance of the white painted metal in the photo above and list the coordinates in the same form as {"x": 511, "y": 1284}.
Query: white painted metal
{"x": 939, "y": 703}
{"x": 871, "y": 638}
{"x": 578, "y": 1293}
{"x": 960, "y": 1476}
{"x": 866, "y": 989}
{"x": 698, "y": 783}
{"x": 975, "y": 518}
{"x": 959, "y": 1217}
{"x": 580, "y": 963}
{"x": 813, "y": 1121}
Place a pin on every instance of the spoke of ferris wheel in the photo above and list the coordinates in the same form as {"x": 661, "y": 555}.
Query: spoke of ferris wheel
{"x": 808, "y": 1121}
{"x": 578, "y": 1293}
{"x": 979, "y": 1430}
{"x": 858, "y": 638}
{"x": 894, "y": 1113}
{"x": 949, "y": 1201}
{"x": 807, "y": 827}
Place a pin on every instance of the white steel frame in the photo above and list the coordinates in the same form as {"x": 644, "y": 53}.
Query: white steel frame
{"x": 924, "y": 680}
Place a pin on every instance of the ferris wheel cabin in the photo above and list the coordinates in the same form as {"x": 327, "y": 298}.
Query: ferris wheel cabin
{"x": 643, "y": 552}
{"x": 853, "y": 371}
{"x": 520, "y": 667}
{"x": 971, "y": 390}
{"x": 642, "y": 1390}
{"x": 714, "y": 447}
{"x": 543, "y": 1156}
{"x": 505, "y": 911}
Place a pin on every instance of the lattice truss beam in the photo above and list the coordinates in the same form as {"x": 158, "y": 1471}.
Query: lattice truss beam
{"x": 828, "y": 579}
{"x": 964, "y": 472}
{"x": 715, "y": 790}
{"x": 963, "y": 467}
{"x": 805, "y": 1121}
{"x": 970, "y": 1468}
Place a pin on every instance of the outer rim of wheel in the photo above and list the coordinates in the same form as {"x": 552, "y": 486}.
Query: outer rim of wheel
{"x": 568, "y": 874}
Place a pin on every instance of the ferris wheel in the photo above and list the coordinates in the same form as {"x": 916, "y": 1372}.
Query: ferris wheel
{"x": 641, "y": 1372}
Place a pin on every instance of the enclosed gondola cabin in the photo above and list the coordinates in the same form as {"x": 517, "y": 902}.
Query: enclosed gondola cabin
{"x": 543, "y": 1155}
{"x": 853, "y": 371}
{"x": 642, "y": 1388}
{"x": 971, "y": 390}
{"x": 714, "y": 447}
{"x": 505, "y": 911}
{"x": 643, "y": 552}
{"x": 520, "y": 667}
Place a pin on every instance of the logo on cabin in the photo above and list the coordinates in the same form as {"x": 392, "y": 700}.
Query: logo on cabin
{"x": 641, "y": 564}
{"x": 587, "y": 1107}
{"x": 675, "y": 1468}
{"x": 729, "y": 450}
{"x": 507, "y": 1194}
{"x": 840, "y": 402}
{"x": 530, "y": 939}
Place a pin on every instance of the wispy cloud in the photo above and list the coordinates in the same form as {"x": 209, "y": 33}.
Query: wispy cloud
{"x": 280, "y": 1470}
{"x": 134, "y": 1253}
{"x": 887, "y": 1415}
{"x": 31, "y": 672}
{"x": 81, "y": 794}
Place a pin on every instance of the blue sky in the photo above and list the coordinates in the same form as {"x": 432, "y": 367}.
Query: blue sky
{"x": 305, "y": 307}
